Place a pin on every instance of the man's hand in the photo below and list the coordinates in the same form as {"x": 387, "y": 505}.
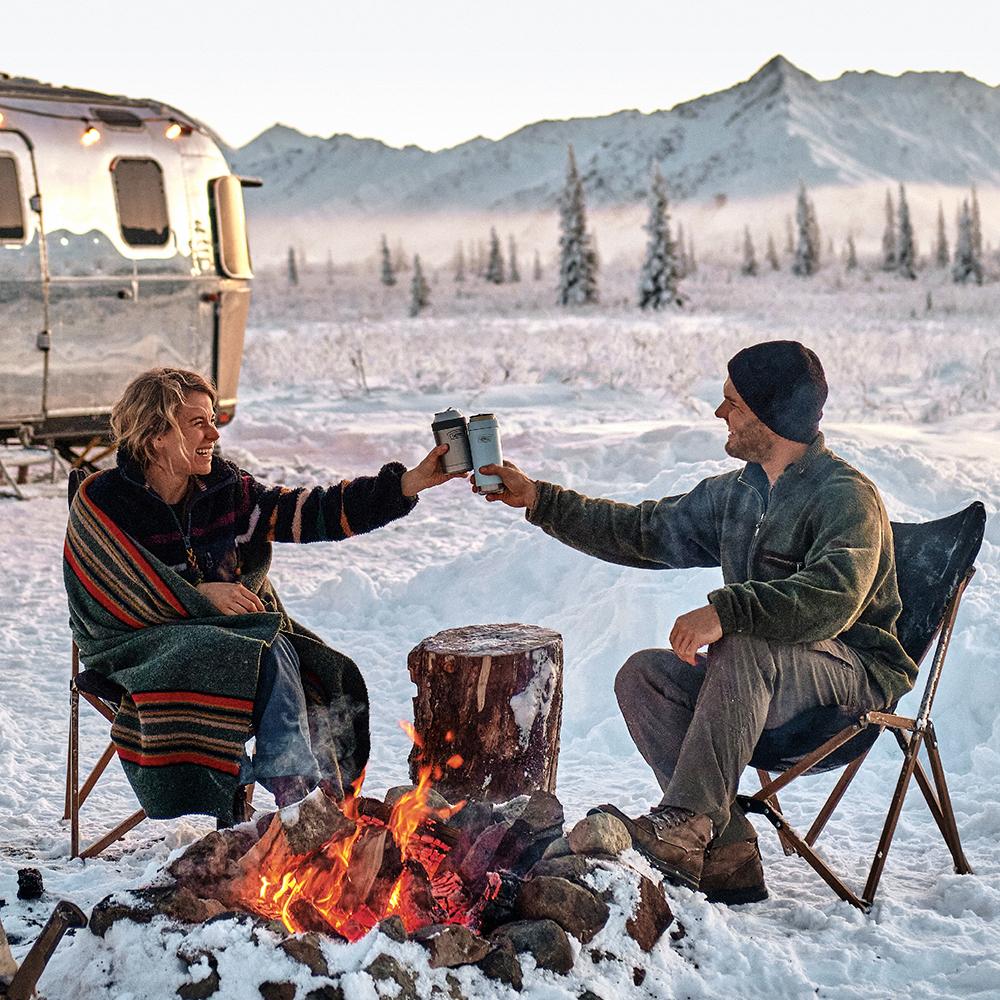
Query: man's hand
{"x": 231, "y": 598}
{"x": 693, "y": 630}
{"x": 518, "y": 491}
{"x": 427, "y": 474}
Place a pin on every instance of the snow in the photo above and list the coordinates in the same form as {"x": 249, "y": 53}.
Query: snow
{"x": 534, "y": 702}
{"x": 611, "y": 403}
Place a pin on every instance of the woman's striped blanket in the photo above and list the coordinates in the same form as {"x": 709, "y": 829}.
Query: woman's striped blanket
{"x": 190, "y": 673}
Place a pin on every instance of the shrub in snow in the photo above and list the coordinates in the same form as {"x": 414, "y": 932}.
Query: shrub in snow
{"x": 577, "y": 255}
{"x": 293, "y": 271}
{"x": 852, "y": 254}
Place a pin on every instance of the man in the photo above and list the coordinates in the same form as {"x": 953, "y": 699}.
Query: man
{"x": 805, "y": 617}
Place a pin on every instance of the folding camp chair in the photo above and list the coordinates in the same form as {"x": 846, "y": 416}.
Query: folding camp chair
{"x": 934, "y": 564}
{"x": 104, "y": 696}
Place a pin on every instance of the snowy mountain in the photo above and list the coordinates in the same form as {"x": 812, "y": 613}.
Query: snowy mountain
{"x": 757, "y": 138}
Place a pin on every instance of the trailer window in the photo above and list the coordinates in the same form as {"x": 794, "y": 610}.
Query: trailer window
{"x": 11, "y": 210}
{"x": 142, "y": 203}
{"x": 230, "y": 224}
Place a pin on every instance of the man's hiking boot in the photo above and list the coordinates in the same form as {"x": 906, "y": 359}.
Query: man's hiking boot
{"x": 733, "y": 874}
{"x": 672, "y": 840}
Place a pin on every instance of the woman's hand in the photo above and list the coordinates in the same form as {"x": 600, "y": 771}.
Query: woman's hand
{"x": 518, "y": 491}
{"x": 428, "y": 473}
{"x": 231, "y": 598}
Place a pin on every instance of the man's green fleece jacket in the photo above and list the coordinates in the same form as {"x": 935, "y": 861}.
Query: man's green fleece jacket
{"x": 806, "y": 560}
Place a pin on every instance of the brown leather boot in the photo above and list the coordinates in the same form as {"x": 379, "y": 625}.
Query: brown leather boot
{"x": 733, "y": 874}
{"x": 672, "y": 840}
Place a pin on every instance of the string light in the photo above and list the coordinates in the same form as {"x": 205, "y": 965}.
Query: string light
{"x": 90, "y": 135}
{"x": 173, "y": 131}
{"x": 2, "y": 118}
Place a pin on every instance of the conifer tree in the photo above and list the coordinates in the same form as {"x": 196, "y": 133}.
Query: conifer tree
{"x": 329, "y": 267}
{"x": 536, "y": 271}
{"x": 682, "y": 257}
{"x": 789, "y": 235}
{"x": 889, "y": 259}
{"x": 966, "y": 265}
{"x": 459, "y": 262}
{"x": 977, "y": 229}
{"x": 293, "y": 270}
{"x": 658, "y": 279}
{"x": 807, "y": 247}
{"x": 513, "y": 274}
{"x": 749, "y": 266}
{"x": 494, "y": 267}
{"x": 577, "y": 258}
{"x": 388, "y": 276}
{"x": 906, "y": 253}
{"x": 941, "y": 253}
{"x": 420, "y": 293}
{"x": 772, "y": 254}
{"x": 852, "y": 254}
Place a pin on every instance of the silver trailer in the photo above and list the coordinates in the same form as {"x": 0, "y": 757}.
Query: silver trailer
{"x": 122, "y": 247}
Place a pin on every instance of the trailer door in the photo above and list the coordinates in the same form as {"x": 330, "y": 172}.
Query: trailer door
{"x": 22, "y": 290}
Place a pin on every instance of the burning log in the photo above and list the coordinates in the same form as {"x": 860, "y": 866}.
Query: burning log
{"x": 488, "y": 710}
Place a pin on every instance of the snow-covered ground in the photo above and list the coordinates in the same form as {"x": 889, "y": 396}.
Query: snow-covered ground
{"x": 613, "y": 403}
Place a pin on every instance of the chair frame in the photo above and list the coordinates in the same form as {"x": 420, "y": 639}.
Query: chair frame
{"x": 911, "y": 734}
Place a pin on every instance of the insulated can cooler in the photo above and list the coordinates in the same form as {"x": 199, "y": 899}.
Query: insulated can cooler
{"x": 484, "y": 441}
{"x": 449, "y": 428}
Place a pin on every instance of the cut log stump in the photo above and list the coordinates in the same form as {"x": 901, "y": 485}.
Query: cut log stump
{"x": 488, "y": 710}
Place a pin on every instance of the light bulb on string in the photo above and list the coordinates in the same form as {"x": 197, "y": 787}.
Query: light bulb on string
{"x": 90, "y": 135}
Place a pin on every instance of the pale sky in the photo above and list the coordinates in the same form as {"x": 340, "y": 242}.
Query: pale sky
{"x": 441, "y": 72}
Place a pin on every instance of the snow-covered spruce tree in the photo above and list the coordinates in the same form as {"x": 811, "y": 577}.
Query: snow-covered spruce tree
{"x": 494, "y": 266}
{"x": 459, "y": 262}
{"x": 749, "y": 265}
{"x": 771, "y": 256}
{"x": 577, "y": 258}
{"x": 977, "y": 228}
{"x": 906, "y": 253}
{"x": 513, "y": 274}
{"x": 658, "y": 279}
{"x": 388, "y": 276}
{"x": 889, "y": 258}
{"x": 941, "y": 254}
{"x": 536, "y": 270}
{"x": 807, "y": 248}
{"x": 420, "y": 292}
{"x": 851, "y": 263}
{"x": 293, "y": 269}
{"x": 966, "y": 266}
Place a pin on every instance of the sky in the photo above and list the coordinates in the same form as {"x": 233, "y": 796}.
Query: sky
{"x": 441, "y": 72}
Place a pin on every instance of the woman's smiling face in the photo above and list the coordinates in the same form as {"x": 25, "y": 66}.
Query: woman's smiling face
{"x": 188, "y": 451}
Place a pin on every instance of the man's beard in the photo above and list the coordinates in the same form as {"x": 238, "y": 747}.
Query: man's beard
{"x": 751, "y": 444}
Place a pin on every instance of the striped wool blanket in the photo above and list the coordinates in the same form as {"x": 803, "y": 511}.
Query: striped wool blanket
{"x": 190, "y": 673}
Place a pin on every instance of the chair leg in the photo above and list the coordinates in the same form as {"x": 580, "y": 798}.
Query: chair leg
{"x": 952, "y": 839}
{"x": 772, "y": 800}
{"x": 116, "y": 834}
{"x": 73, "y": 774}
{"x": 98, "y": 770}
{"x": 834, "y": 800}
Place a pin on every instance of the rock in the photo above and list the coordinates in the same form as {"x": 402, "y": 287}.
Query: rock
{"x": 435, "y": 800}
{"x": 575, "y": 908}
{"x": 544, "y": 939}
{"x": 559, "y": 848}
{"x": 500, "y": 909}
{"x": 305, "y": 948}
{"x": 543, "y": 812}
{"x": 278, "y": 991}
{"x": 189, "y": 908}
{"x": 328, "y": 991}
{"x": 385, "y": 967}
{"x": 212, "y": 859}
{"x": 200, "y": 989}
{"x": 572, "y": 867}
{"x": 312, "y": 822}
{"x": 451, "y": 945}
{"x": 599, "y": 834}
{"x": 393, "y": 928}
{"x": 502, "y": 965}
{"x": 140, "y": 909}
{"x": 638, "y": 976}
{"x": 29, "y": 883}
{"x": 589, "y": 995}
{"x": 652, "y": 915}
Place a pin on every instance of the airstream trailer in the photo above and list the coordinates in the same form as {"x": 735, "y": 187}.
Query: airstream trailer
{"x": 122, "y": 247}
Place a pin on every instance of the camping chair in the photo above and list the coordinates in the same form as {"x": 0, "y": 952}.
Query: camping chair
{"x": 934, "y": 564}
{"x": 104, "y": 696}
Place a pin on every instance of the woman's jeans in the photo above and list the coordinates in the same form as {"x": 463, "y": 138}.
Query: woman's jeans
{"x": 280, "y": 721}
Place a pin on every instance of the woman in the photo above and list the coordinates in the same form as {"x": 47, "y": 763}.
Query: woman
{"x": 166, "y": 562}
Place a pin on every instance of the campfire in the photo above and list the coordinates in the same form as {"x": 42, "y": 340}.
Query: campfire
{"x": 380, "y": 860}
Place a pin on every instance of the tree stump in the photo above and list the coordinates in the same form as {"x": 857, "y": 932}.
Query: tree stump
{"x": 488, "y": 710}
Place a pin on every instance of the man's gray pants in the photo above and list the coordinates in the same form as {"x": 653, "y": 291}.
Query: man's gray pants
{"x": 697, "y": 726}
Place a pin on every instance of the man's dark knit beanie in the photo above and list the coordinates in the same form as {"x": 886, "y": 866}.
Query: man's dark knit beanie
{"x": 783, "y": 384}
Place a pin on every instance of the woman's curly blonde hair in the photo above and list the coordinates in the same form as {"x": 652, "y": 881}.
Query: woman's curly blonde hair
{"x": 148, "y": 408}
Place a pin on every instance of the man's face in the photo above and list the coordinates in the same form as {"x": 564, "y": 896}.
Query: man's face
{"x": 749, "y": 440}
{"x": 189, "y": 452}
